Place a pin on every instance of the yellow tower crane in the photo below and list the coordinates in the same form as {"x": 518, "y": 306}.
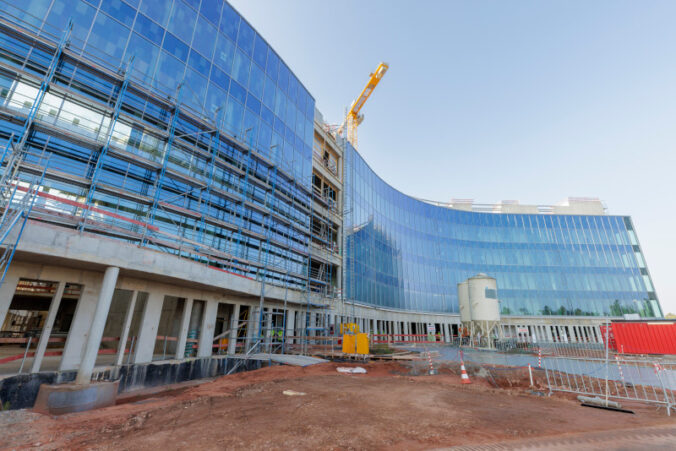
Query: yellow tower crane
{"x": 353, "y": 118}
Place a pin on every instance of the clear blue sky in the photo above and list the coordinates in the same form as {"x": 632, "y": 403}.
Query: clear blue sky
{"x": 492, "y": 100}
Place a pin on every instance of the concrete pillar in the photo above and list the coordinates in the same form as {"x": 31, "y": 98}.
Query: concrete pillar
{"x": 126, "y": 325}
{"x": 84, "y": 373}
{"x": 206, "y": 341}
{"x": 6, "y": 294}
{"x": 150, "y": 320}
{"x": 268, "y": 329}
{"x": 79, "y": 327}
{"x": 234, "y": 327}
{"x": 449, "y": 332}
{"x": 548, "y": 330}
{"x": 47, "y": 328}
{"x": 183, "y": 330}
{"x": 290, "y": 322}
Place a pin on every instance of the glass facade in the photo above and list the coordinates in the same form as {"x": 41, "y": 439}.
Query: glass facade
{"x": 403, "y": 253}
{"x": 168, "y": 123}
{"x": 173, "y": 125}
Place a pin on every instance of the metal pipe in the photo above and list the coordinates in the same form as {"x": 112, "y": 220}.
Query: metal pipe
{"x": 28, "y": 345}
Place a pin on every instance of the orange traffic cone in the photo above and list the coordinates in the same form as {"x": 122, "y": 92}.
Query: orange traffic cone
{"x": 463, "y": 376}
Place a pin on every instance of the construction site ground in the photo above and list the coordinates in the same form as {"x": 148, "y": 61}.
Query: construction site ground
{"x": 395, "y": 406}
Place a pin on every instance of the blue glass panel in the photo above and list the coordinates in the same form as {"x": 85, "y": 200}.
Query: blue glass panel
{"x": 107, "y": 39}
{"x": 175, "y": 47}
{"x": 256, "y": 80}
{"x": 240, "y": 68}
{"x": 224, "y": 54}
{"x": 253, "y": 104}
{"x": 195, "y": 89}
{"x": 229, "y": 21}
{"x": 216, "y": 98}
{"x": 182, "y": 22}
{"x": 269, "y": 93}
{"x": 120, "y": 11}
{"x": 219, "y": 78}
{"x": 32, "y": 11}
{"x": 145, "y": 56}
{"x": 158, "y": 10}
{"x": 204, "y": 40}
{"x": 260, "y": 54}
{"x": 149, "y": 29}
{"x": 264, "y": 138}
{"x": 169, "y": 72}
{"x": 267, "y": 116}
{"x": 283, "y": 80}
{"x": 81, "y": 13}
{"x": 211, "y": 9}
{"x": 272, "y": 66}
{"x": 250, "y": 128}
{"x": 194, "y": 3}
{"x": 237, "y": 91}
{"x": 234, "y": 116}
{"x": 199, "y": 63}
{"x": 245, "y": 37}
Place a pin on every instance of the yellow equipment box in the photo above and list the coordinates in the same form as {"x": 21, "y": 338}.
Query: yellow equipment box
{"x": 349, "y": 327}
{"x": 348, "y": 344}
{"x": 363, "y": 344}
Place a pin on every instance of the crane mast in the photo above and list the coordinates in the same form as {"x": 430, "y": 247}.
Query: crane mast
{"x": 353, "y": 118}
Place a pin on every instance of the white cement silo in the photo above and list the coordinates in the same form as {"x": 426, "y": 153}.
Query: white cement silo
{"x": 483, "y": 297}
{"x": 480, "y": 308}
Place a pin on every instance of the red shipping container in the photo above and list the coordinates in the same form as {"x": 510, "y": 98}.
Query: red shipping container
{"x": 643, "y": 337}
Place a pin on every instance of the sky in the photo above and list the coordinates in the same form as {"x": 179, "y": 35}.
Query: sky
{"x": 503, "y": 100}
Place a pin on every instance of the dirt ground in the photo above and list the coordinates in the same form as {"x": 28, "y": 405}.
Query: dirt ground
{"x": 389, "y": 407}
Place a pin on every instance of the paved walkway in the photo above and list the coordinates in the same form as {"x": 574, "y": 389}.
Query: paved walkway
{"x": 652, "y": 438}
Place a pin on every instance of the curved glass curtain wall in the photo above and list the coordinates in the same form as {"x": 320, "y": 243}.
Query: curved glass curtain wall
{"x": 201, "y": 79}
{"x": 406, "y": 254}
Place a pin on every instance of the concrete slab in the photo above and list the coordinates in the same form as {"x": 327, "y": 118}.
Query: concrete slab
{"x": 288, "y": 359}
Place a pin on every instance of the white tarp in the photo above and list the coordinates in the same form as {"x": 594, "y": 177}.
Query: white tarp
{"x": 351, "y": 370}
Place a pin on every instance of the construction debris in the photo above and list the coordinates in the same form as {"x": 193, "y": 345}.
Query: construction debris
{"x": 293, "y": 393}
{"x": 351, "y": 370}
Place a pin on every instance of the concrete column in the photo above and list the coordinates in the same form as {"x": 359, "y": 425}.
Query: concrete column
{"x": 150, "y": 320}
{"x": 126, "y": 325}
{"x": 234, "y": 323}
{"x": 313, "y": 324}
{"x": 290, "y": 321}
{"x": 79, "y": 327}
{"x": 206, "y": 341}
{"x": 47, "y": 328}
{"x": 251, "y": 326}
{"x": 448, "y": 330}
{"x": 6, "y": 294}
{"x": 548, "y": 330}
{"x": 268, "y": 329}
{"x": 183, "y": 330}
{"x": 84, "y": 373}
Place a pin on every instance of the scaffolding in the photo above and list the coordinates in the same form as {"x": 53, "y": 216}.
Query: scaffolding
{"x": 188, "y": 163}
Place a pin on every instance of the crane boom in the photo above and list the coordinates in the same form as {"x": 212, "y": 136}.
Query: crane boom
{"x": 353, "y": 118}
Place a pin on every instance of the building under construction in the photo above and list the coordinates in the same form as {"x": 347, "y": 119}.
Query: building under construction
{"x": 169, "y": 192}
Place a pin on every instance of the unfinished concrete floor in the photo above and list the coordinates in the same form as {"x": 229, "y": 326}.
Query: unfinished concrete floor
{"x": 386, "y": 408}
